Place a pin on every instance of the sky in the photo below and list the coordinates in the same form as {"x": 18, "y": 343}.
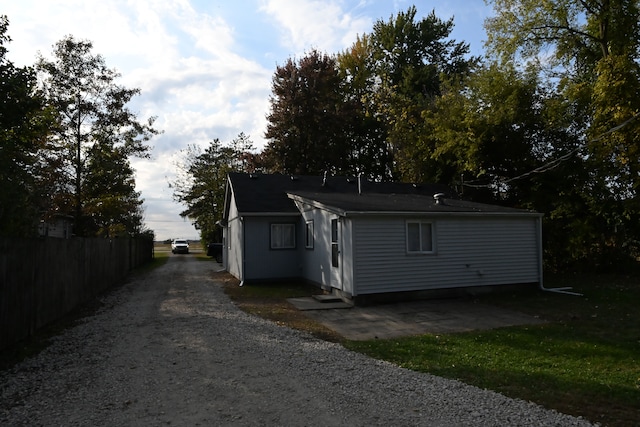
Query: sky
{"x": 204, "y": 67}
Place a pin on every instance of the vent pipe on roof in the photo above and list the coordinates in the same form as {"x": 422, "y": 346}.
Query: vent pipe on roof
{"x": 324, "y": 179}
{"x": 360, "y": 183}
{"x": 439, "y": 198}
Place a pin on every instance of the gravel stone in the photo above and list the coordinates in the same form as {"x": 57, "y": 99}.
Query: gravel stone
{"x": 169, "y": 348}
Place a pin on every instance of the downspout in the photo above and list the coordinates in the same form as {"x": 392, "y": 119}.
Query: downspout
{"x": 242, "y": 252}
{"x": 565, "y": 290}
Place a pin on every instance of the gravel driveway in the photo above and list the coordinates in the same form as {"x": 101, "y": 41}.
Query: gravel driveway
{"x": 170, "y": 348}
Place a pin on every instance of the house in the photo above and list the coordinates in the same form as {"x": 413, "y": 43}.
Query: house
{"x": 58, "y": 225}
{"x": 358, "y": 238}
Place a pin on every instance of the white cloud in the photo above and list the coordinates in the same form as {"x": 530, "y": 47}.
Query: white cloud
{"x": 162, "y": 214}
{"x": 204, "y": 68}
{"x": 308, "y": 24}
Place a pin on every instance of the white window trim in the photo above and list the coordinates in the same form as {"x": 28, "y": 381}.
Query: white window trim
{"x": 431, "y": 224}
{"x": 309, "y": 235}
{"x": 279, "y": 224}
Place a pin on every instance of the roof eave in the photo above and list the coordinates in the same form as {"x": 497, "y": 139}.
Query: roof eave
{"x": 316, "y": 204}
{"x": 264, "y": 214}
{"x": 346, "y": 213}
{"x": 440, "y": 213}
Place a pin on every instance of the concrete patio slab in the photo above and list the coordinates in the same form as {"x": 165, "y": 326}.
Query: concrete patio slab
{"x": 412, "y": 318}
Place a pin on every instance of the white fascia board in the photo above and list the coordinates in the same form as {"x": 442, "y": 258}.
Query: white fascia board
{"x": 262, "y": 214}
{"x": 316, "y": 204}
{"x": 228, "y": 191}
{"x": 444, "y": 213}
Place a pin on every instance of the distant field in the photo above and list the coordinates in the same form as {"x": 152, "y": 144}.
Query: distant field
{"x": 194, "y": 247}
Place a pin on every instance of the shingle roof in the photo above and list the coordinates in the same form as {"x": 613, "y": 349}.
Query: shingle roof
{"x": 264, "y": 193}
{"x": 384, "y": 203}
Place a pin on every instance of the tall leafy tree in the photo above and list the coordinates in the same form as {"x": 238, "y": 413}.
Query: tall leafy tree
{"x": 492, "y": 127}
{"x": 241, "y": 153}
{"x": 590, "y": 51}
{"x": 306, "y": 123}
{"x": 92, "y": 116}
{"x": 411, "y": 55}
{"x": 201, "y": 181}
{"x": 24, "y": 124}
{"x": 410, "y": 58}
{"x": 362, "y": 111}
{"x": 117, "y": 211}
{"x": 365, "y": 133}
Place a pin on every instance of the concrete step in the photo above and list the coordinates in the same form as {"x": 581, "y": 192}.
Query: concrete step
{"x": 308, "y": 303}
{"x": 326, "y": 298}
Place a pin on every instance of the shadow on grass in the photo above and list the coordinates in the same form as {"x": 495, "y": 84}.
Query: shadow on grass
{"x": 584, "y": 362}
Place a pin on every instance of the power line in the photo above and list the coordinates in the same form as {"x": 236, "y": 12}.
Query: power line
{"x": 556, "y": 162}
{"x": 158, "y": 220}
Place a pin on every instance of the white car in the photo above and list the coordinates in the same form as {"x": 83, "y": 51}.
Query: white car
{"x": 180, "y": 246}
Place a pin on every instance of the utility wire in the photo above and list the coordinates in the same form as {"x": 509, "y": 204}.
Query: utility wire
{"x": 556, "y": 162}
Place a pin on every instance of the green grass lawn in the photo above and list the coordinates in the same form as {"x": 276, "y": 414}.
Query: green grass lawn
{"x": 163, "y": 250}
{"x": 584, "y": 361}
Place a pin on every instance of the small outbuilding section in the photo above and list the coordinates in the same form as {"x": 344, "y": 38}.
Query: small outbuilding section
{"x": 358, "y": 238}
{"x": 60, "y": 226}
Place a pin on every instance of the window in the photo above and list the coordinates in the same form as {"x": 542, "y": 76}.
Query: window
{"x": 283, "y": 236}
{"x": 308, "y": 237}
{"x": 419, "y": 237}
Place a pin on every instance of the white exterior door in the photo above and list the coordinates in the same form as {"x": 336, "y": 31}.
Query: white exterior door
{"x": 336, "y": 253}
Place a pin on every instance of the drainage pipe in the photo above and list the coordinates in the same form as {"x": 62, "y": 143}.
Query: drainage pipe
{"x": 564, "y": 290}
{"x": 242, "y": 250}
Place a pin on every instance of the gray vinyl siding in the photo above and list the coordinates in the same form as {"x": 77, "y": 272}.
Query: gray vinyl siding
{"x": 469, "y": 251}
{"x": 317, "y": 261}
{"x": 264, "y": 263}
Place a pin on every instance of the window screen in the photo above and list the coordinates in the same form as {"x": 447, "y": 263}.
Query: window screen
{"x": 283, "y": 236}
{"x": 308, "y": 239}
{"x": 419, "y": 237}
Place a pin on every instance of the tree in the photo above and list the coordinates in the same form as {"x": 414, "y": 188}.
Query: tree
{"x": 364, "y": 132}
{"x": 118, "y": 211}
{"x": 241, "y": 153}
{"x": 361, "y": 112}
{"x": 590, "y": 51}
{"x": 92, "y": 118}
{"x": 491, "y": 128}
{"x": 202, "y": 179}
{"x": 592, "y": 47}
{"x": 306, "y": 122}
{"x": 24, "y": 123}
{"x": 409, "y": 61}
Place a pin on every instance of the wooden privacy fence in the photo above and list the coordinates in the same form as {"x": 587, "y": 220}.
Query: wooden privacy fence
{"x": 43, "y": 279}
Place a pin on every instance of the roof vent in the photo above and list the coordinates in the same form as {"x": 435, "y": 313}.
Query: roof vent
{"x": 439, "y": 198}
{"x": 253, "y": 176}
{"x": 294, "y": 178}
